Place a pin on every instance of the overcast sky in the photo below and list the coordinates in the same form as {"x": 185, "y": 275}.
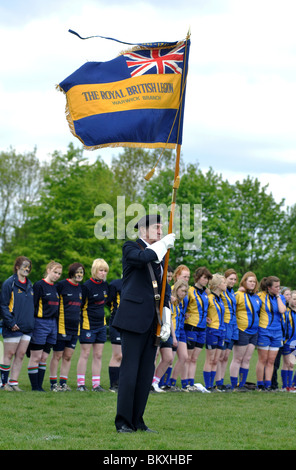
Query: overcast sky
{"x": 240, "y": 101}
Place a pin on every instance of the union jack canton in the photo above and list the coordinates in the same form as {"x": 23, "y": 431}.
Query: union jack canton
{"x": 155, "y": 61}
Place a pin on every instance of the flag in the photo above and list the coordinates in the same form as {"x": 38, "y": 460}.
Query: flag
{"x": 134, "y": 100}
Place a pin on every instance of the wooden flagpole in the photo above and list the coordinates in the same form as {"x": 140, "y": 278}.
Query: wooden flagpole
{"x": 176, "y": 185}
{"x": 170, "y": 229}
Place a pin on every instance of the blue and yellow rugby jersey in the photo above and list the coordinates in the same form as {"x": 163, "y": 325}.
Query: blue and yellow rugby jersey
{"x": 178, "y": 317}
{"x": 247, "y": 312}
{"x": 197, "y": 307}
{"x": 46, "y": 300}
{"x": 289, "y": 326}
{"x": 215, "y": 313}
{"x": 270, "y": 317}
{"x": 95, "y": 295}
{"x": 185, "y": 300}
{"x": 229, "y": 301}
{"x": 70, "y": 307}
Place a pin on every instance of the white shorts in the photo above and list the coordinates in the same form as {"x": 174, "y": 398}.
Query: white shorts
{"x": 17, "y": 339}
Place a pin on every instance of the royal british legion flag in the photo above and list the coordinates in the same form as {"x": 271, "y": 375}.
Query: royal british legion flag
{"x": 134, "y": 100}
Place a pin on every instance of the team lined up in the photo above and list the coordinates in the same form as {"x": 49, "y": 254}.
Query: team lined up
{"x": 53, "y": 315}
{"x": 213, "y": 315}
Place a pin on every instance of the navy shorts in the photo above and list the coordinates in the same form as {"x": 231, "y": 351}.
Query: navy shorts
{"x": 65, "y": 341}
{"x": 114, "y": 335}
{"x": 245, "y": 338}
{"x": 167, "y": 344}
{"x": 99, "y": 335}
{"x": 45, "y": 331}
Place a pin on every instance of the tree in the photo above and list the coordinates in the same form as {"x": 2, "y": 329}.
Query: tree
{"x": 258, "y": 223}
{"x": 133, "y": 164}
{"x": 241, "y": 222}
{"x": 21, "y": 179}
{"x": 61, "y": 223}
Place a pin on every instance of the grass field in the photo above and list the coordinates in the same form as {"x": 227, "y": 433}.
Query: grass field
{"x": 185, "y": 421}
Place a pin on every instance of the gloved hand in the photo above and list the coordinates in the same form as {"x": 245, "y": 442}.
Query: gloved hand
{"x": 163, "y": 245}
{"x": 165, "y": 329}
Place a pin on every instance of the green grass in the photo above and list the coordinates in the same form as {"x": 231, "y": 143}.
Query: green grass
{"x": 185, "y": 421}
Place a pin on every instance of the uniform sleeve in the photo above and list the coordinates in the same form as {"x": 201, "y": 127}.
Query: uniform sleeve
{"x": 5, "y": 300}
{"x": 37, "y": 294}
{"x": 112, "y": 291}
{"x": 59, "y": 288}
{"x": 84, "y": 294}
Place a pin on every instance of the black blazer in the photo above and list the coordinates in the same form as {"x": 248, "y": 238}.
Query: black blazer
{"x": 136, "y": 311}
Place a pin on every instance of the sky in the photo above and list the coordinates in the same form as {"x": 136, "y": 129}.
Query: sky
{"x": 240, "y": 99}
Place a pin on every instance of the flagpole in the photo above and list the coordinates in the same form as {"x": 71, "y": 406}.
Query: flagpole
{"x": 173, "y": 205}
{"x": 170, "y": 229}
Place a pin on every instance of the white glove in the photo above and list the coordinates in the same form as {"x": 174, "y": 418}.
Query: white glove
{"x": 163, "y": 245}
{"x": 165, "y": 329}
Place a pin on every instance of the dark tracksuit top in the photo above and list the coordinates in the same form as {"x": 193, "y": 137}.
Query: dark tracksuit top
{"x": 17, "y": 304}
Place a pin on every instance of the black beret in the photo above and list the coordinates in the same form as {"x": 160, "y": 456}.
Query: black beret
{"x": 147, "y": 220}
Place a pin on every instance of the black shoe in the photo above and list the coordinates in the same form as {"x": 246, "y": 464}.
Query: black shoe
{"x": 148, "y": 430}
{"x": 125, "y": 428}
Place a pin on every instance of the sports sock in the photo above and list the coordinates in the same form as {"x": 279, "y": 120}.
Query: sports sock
{"x": 213, "y": 374}
{"x": 12, "y": 382}
{"x": 114, "y": 376}
{"x": 41, "y": 374}
{"x": 63, "y": 380}
{"x": 53, "y": 380}
{"x": 96, "y": 381}
{"x": 33, "y": 376}
{"x": 233, "y": 381}
{"x": 4, "y": 369}
{"x": 184, "y": 383}
{"x": 243, "y": 374}
{"x": 290, "y": 376}
{"x": 207, "y": 379}
{"x": 284, "y": 375}
{"x": 80, "y": 380}
{"x": 172, "y": 382}
{"x": 267, "y": 383}
{"x": 166, "y": 377}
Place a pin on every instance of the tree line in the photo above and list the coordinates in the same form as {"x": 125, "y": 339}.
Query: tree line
{"x": 48, "y": 211}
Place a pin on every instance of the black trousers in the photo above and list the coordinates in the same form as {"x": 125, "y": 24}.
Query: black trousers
{"x": 135, "y": 377}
